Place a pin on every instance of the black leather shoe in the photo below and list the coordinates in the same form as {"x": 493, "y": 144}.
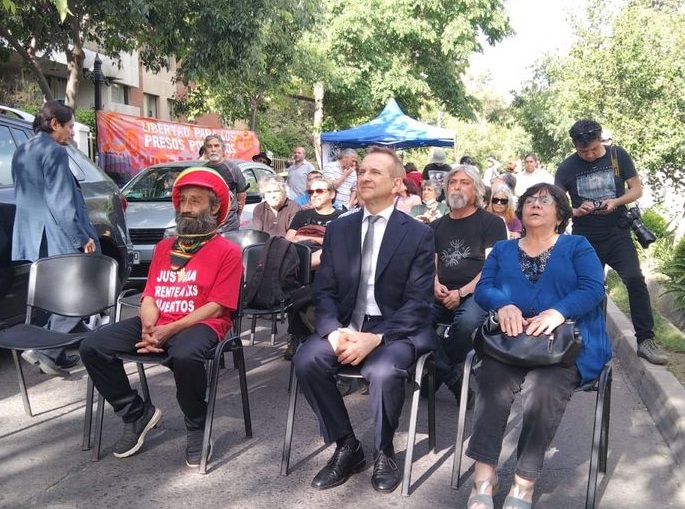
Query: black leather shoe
{"x": 386, "y": 476}
{"x": 345, "y": 462}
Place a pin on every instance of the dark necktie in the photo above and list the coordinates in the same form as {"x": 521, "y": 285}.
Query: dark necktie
{"x": 365, "y": 274}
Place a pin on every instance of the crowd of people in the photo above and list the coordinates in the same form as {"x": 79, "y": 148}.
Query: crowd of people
{"x": 392, "y": 261}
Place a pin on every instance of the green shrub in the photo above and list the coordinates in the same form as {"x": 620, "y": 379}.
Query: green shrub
{"x": 661, "y": 250}
{"x": 674, "y": 270}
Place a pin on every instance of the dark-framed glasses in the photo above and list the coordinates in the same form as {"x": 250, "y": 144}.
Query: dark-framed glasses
{"x": 312, "y": 192}
{"x": 500, "y": 201}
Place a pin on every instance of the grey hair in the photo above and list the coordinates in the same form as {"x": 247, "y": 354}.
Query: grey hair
{"x": 271, "y": 179}
{"x": 472, "y": 173}
{"x": 347, "y": 152}
{"x": 214, "y": 136}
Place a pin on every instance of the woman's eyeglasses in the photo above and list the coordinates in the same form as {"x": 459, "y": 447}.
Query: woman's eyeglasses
{"x": 542, "y": 200}
{"x": 500, "y": 201}
{"x": 312, "y": 192}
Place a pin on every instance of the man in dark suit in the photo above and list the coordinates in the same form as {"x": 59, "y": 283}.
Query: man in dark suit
{"x": 373, "y": 293}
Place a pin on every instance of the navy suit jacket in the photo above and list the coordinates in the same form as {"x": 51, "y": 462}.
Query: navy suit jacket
{"x": 405, "y": 272}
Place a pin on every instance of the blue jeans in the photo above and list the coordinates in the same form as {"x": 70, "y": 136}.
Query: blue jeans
{"x": 452, "y": 350}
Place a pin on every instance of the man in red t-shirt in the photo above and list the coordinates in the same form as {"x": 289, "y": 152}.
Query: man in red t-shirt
{"x": 192, "y": 288}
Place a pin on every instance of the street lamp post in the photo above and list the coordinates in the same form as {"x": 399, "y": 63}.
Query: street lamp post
{"x": 98, "y": 79}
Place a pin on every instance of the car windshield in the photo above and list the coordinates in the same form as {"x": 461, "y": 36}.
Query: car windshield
{"x": 154, "y": 184}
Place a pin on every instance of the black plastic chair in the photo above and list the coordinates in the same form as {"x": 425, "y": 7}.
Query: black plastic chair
{"x": 424, "y": 362}
{"x": 251, "y": 257}
{"x": 600, "y": 429}
{"x": 214, "y": 362}
{"x": 246, "y": 237}
{"x": 73, "y": 285}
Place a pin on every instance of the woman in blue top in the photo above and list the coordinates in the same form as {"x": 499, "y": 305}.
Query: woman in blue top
{"x": 535, "y": 283}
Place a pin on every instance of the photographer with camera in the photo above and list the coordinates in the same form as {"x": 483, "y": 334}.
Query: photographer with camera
{"x": 601, "y": 181}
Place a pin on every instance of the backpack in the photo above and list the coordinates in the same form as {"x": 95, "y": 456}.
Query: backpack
{"x": 276, "y": 274}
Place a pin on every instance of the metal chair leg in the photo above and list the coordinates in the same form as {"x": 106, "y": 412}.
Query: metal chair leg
{"x": 413, "y": 418}
{"x": 213, "y": 369}
{"x": 99, "y": 419}
{"x": 143, "y": 382}
{"x": 22, "y": 384}
{"x": 461, "y": 423}
{"x": 599, "y": 437}
{"x": 239, "y": 359}
{"x": 288, "y": 439}
{"x": 274, "y": 328}
{"x": 88, "y": 418}
{"x": 253, "y": 328}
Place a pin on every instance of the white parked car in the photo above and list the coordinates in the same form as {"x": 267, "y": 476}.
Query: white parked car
{"x": 150, "y": 213}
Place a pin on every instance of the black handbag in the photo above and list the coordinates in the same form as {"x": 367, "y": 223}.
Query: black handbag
{"x": 562, "y": 346}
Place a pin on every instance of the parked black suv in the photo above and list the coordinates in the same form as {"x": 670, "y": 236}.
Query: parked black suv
{"x": 105, "y": 204}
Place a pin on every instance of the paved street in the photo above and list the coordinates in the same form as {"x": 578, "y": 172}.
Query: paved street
{"x": 42, "y": 464}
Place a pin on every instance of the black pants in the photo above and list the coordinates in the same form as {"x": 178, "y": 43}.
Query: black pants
{"x": 616, "y": 249}
{"x": 187, "y": 354}
{"x": 546, "y": 392}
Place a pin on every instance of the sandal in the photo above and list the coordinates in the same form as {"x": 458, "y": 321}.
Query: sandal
{"x": 481, "y": 496}
{"x": 515, "y": 499}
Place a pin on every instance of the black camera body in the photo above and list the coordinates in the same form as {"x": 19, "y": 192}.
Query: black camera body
{"x": 643, "y": 234}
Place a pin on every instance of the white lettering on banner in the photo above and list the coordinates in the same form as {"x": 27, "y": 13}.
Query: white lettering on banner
{"x": 164, "y": 142}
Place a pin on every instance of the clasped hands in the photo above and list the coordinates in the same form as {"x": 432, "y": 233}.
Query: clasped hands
{"x": 153, "y": 338}
{"x": 353, "y": 347}
{"x": 512, "y": 323}
{"x": 449, "y": 298}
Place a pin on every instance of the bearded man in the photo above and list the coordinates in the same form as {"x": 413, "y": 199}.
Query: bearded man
{"x": 463, "y": 238}
{"x": 192, "y": 288}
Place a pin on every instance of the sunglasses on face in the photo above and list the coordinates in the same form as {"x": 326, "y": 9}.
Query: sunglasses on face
{"x": 500, "y": 201}
{"x": 312, "y": 192}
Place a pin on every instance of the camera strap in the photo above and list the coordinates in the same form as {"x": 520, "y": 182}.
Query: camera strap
{"x": 614, "y": 161}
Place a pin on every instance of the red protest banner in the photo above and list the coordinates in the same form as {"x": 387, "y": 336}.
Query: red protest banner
{"x": 128, "y": 144}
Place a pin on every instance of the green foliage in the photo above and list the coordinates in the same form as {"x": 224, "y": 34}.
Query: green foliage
{"x": 627, "y": 77}
{"x": 86, "y": 117}
{"x": 674, "y": 270}
{"x": 660, "y": 250}
{"x": 668, "y": 337}
{"x": 280, "y": 127}
{"x": 413, "y": 51}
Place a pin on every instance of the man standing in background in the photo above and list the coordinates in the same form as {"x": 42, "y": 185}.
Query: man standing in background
{"x": 297, "y": 173}
{"x": 601, "y": 181}
{"x": 51, "y": 217}
{"x": 343, "y": 174}
{"x": 214, "y": 150}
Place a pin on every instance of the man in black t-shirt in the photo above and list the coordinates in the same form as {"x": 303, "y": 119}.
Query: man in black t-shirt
{"x": 463, "y": 239}
{"x": 214, "y": 150}
{"x": 601, "y": 180}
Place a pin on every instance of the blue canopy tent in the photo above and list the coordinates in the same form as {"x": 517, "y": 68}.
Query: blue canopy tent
{"x": 391, "y": 128}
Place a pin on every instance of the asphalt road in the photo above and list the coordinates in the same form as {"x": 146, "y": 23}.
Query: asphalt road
{"x": 42, "y": 464}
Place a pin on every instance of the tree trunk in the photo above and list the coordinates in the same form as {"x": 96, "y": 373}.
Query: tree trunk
{"x": 75, "y": 59}
{"x": 318, "y": 120}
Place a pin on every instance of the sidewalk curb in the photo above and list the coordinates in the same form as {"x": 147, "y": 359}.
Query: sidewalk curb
{"x": 660, "y": 391}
